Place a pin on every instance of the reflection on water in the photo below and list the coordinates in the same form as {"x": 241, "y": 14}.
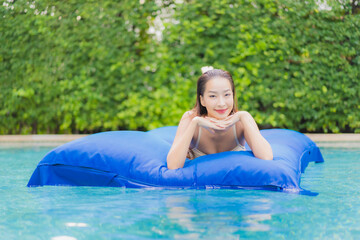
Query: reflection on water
{"x": 180, "y": 213}
{"x": 255, "y": 224}
{"x": 254, "y": 221}
{"x": 232, "y": 212}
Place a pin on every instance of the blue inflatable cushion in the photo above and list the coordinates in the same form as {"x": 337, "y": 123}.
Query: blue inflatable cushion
{"x": 138, "y": 159}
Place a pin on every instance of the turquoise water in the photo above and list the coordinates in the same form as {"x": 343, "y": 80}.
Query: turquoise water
{"x": 116, "y": 213}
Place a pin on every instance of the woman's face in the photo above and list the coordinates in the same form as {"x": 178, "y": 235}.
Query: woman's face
{"x": 218, "y": 98}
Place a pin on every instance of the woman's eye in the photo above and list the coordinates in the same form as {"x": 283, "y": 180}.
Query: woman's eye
{"x": 212, "y": 96}
{"x": 227, "y": 95}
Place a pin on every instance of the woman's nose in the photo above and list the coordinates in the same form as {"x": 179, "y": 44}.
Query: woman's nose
{"x": 221, "y": 101}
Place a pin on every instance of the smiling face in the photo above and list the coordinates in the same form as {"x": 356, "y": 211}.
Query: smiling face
{"x": 218, "y": 98}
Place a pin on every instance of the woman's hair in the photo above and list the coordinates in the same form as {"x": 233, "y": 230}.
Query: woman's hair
{"x": 201, "y": 83}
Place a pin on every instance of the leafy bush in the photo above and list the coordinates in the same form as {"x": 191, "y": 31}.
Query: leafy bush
{"x": 80, "y": 66}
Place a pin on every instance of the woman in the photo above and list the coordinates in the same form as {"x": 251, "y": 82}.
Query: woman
{"x": 226, "y": 128}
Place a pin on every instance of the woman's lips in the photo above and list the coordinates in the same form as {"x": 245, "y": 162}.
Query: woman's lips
{"x": 221, "y": 111}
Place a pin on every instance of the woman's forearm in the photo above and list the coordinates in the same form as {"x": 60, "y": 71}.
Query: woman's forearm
{"x": 258, "y": 144}
{"x": 177, "y": 154}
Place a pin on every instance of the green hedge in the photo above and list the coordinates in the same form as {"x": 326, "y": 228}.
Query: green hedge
{"x": 89, "y": 66}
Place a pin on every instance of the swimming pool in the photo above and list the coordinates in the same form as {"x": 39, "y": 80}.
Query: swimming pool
{"x": 116, "y": 213}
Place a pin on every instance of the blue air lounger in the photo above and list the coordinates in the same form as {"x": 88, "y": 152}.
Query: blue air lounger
{"x": 137, "y": 159}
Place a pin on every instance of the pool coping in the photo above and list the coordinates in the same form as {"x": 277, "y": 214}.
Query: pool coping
{"x": 330, "y": 137}
{"x": 336, "y": 140}
{"x": 340, "y": 140}
{"x": 41, "y": 137}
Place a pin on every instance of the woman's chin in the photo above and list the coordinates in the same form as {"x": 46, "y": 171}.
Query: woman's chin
{"x": 221, "y": 117}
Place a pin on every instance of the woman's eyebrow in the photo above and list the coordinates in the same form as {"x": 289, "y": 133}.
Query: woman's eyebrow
{"x": 217, "y": 91}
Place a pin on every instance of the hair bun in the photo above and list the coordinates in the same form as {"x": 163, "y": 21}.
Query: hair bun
{"x": 206, "y": 68}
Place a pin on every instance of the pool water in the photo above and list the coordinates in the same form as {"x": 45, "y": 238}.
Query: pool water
{"x": 116, "y": 213}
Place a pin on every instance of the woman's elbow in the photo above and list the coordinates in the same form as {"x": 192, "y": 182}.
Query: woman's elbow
{"x": 268, "y": 157}
{"x": 171, "y": 165}
{"x": 265, "y": 155}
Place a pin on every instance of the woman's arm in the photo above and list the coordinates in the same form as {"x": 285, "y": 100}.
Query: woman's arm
{"x": 258, "y": 144}
{"x": 180, "y": 147}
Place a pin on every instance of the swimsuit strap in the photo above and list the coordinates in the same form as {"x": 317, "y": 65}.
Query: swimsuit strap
{"x": 198, "y": 140}
{"x": 236, "y": 139}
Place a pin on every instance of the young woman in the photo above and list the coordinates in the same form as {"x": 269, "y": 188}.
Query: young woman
{"x": 214, "y": 125}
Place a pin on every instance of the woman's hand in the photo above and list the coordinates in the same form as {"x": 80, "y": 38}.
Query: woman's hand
{"x": 210, "y": 124}
{"x": 228, "y": 121}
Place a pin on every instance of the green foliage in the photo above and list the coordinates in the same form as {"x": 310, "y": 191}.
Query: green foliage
{"x": 89, "y": 66}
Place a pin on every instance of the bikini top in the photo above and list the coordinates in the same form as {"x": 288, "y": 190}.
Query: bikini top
{"x": 195, "y": 152}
